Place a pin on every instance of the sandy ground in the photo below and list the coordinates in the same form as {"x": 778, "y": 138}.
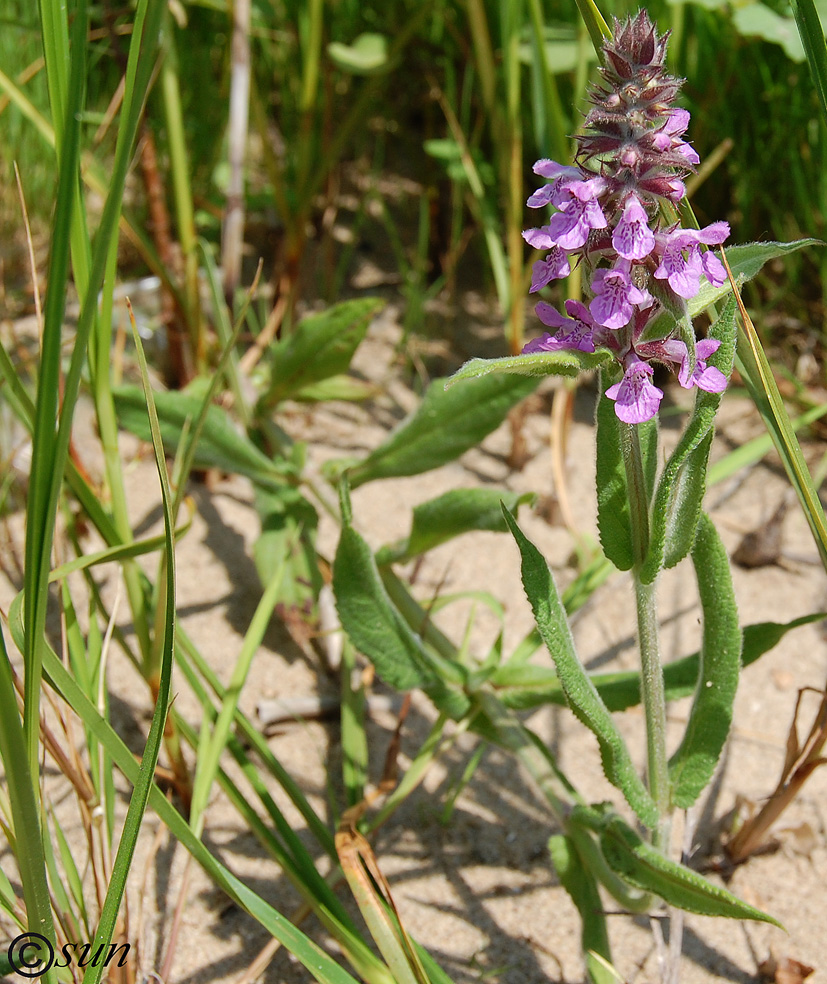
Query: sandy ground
{"x": 479, "y": 892}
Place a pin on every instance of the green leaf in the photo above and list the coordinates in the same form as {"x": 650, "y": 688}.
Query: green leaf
{"x": 757, "y": 374}
{"x": 446, "y": 424}
{"x": 812, "y": 37}
{"x": 566, "y": 362}
{"x": 677, "y": 504}
{"x": 222, "y": 445}
{"x": 368, "y": 55}
{"x": 370, "y": 618}
{"x": 645, "y": 867}
{"x": 582, "y": 887}
{"x": 692, "y": 765}
{"x": 758, "y": 20}
{"x": 288, "y": 535}
{"x": 321, "y": 346}
{"x": 613, "y": 519}
{"x": 452, "y": 514}
{"x": 745, "y": 262}
{"x": 523, "y": 686}
{"x": 580, "y": 692}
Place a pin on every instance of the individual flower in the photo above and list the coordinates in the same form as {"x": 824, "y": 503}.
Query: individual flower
{"x": 705, "y": 377}
{"x": 580, "y": 212}
{"x": 632, "y": 238}
{"x": 554, "y": 267}
{"x": 614, "y": 296}
{"x": 576, "y": 332}
{"x": 682, "y": 262}
{"x": 636, "y": 396}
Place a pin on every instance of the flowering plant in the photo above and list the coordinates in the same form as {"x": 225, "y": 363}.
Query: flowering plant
{"x": 631, "y": 163}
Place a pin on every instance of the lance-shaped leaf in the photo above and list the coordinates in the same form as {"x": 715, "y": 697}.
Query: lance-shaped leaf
{"x": 692, "y": 765}
{"x": 566, "y": 362}
{"x": 321, "y": 346}
{"x": 645, "y": 867}
{"x": 582, "y": 887}
{"x": 379, "y": 630}
{"x": 679, "y": 495}
{"x": 446, "y": 424}
{"x": 452, "y": 514}
{"x": 580, "y": 692}
{"x": 221, "y": 444}
{"x": 745, "y": 261}
{"x": 613, "y": 520}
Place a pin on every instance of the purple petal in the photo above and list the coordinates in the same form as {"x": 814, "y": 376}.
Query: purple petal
{"x": 545, "y": 343}
{"x": 541, "y": 197}
{"x": 554, "y": 267}
{"x": 539, "y": 238}
{"x": 706, "y": 347}
{"x": 550, "y": 316}
{"x": 709, "y": 378}
{"x": 551, "y": 169}
{"x": 632, "y": 238}
{"x": 636, "y": 397}
{"x": 713, "y": 269}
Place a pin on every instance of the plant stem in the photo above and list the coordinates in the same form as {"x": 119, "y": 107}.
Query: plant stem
{"x": 651, "y": 678}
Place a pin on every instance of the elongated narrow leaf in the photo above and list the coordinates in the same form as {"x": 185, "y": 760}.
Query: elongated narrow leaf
{"x": 757, "y": 374}
{"x": 321, "y": 346}
{"x": 580, "y": 692}
{"x": 812, "y": 37}
{"x": 221, "y": 445}
{"x": 288, "y": 536}
{"x": 613, "y": 518}
{"x": 692, "y": 765}
{"x": 452, "y": 514}
{"x": 582, "y": 887}
{"x": 644, "y": 866}
{"x": 370, "y": 619}
{"x": 446, "y": 424}
{"x": 677, "y": 504}
{"x": 523, "y": 686}
{"x": 746, "y": 262}
{"x": 564, "y": 363}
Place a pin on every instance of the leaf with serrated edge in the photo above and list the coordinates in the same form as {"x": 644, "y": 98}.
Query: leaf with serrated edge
{"x": 447, "y": 423}
{"x": 581, "y": 694}
{"x": 692, "y": 765}
{"x": 746, "y": 261}
{"x": 646, "y": 868}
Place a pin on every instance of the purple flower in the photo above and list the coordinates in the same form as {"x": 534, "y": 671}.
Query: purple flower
{"x": 683, "y": 272}
{"x": 580, "y": 212}
{"x": 576, "y": 332}
{"x": 554, "y": 267}
{"x": 669, "y": 138}
{"x": 632, "y": 238}
{"x": 636, "y": 396}
{"x": 704, "y": 377}
{"x": 615, "y": 295}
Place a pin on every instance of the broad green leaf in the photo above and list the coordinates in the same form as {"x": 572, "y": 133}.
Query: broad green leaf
{"x": 644, "y": 866}
{"x": 692, "y": 765}
{"x": 368, "y": 54}
{"x": 566, "y": 362}
{"x": 526, "y": 685}
{"x": 580, "y": 692}
{"x": 758, "y": 20}
{"x": 582, "y": 887}
{"x": 288, "y": 535}
{"x": 679, "y": 495}
{"x": 222, "y": 445}
{"x": 446, "y": 424}
{"x": 745, "y": 262}
{"x": 452, "y": 514}
{"x": 812, "y": 37}
{"x": 370, "y": 618}
{"x": 321, "y": 346}
{"x": 613, "y": 519}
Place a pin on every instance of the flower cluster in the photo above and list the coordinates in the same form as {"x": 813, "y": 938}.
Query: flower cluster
{"x": 631, "y": 159}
